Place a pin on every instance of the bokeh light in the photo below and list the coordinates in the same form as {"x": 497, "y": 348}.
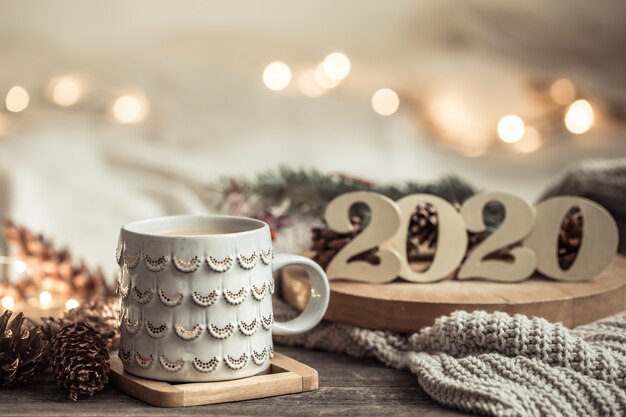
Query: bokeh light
{"x": 579, "y": 117}
{"x": 563, "y": 91}
{"x": 7, "y": 302}
{"x": 130, "y": 108}
{"x": 277, "y": 76}
{"x": 71, "y": 303}
{"x": 530, "y": 142}
{"x": 308, "y": 85}
{"x": 17, "y": 99}
{"x": 45, "y": 298}
{"x": 511, "y": 128}
{"x": 385, "y": 101}
{"x": 322, "y": 79}
{"x": 65, "y": 91}
{"x": 336, "y": 66}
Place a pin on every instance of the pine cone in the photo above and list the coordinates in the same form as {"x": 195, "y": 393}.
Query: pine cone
{"x": 100, "y": 313}
{"x": 80, "y": 359}
{"x": 570, "y": 238}
{"x": 51, "y": 269}
{"x": 23, "y": 350}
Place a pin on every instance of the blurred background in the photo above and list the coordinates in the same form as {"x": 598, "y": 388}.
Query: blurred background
{"x": 119, "y": 110}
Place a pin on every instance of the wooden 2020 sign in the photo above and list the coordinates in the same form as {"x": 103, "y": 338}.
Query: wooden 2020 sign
{"x": 530, "y": 281}
{"x": 533, "y": 230}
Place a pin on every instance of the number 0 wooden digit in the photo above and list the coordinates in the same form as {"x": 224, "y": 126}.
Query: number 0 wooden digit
{"x": 599, "y": 238}
{"x": 451, "y": 240}
{"x": 384, "y": 221}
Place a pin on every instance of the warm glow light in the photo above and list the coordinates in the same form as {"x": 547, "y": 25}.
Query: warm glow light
{"x": 563, "y": 91}
{"x": 336, "y": 66}
{"x": 130, "y": 109}
{"x": 19, "y": 266}
{"x": 17, "y": 99}
{"x": 530, "y": 142}
{"x": 579, "y": 117}
{"x": 385, "y": 101}
{"x": 45, "y": 298}
{"x": 7, "y": 302}
{"x": 277, "y": 76}
{"x": 71, "y": 303}
{"x": 322, "y": 79}
{"x": 511, "y": 128}
{"x": 473, "y": 143}
{"x": 65, "y": 91}
{"x": 450, "y": 115}
{"x": 308, "y": 86}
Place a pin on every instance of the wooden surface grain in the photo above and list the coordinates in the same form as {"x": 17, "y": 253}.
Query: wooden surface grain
{"x": 348, "y": 386}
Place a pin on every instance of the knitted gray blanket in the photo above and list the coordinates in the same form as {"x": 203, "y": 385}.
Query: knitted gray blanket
{"x": 495, "y": 364}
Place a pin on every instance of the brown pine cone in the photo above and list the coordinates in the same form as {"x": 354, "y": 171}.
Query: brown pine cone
{"x": 80, "y": 359}
{"x": 570, "y": 238}
{"x": 23, "y": 350}
{"x": 326, "y": 243}
{"x": 101, "y": 313}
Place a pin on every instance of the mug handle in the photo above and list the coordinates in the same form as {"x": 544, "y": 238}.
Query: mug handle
{"x": 318, "y": 302}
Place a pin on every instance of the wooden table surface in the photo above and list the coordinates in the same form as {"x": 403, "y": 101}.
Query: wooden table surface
{"x": 347, "y": 387}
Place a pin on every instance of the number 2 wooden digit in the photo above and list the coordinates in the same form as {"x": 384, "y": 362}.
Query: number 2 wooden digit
{"x": 384, "y": 221}
{"x": 518, "y": 223}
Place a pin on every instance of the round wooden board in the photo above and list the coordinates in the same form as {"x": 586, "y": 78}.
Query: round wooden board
{"x": 408, "y": 307}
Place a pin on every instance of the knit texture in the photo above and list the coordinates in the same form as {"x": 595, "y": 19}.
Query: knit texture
{"x": 495, "y": 364}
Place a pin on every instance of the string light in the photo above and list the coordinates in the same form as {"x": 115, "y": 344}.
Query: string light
{"x": 277, "y": 76}
{"x": 322, "y": 79}
{"x": 579, "y": 117}
{"x": 45, "y": 298}
{"x": 17, "y": 99}
{"x": 7, "y": 302}
{"x": 308, "y": 85}
{"x": 71, "y": 303}
{"x": 563, "y": 91}
{"x": 20, "y": 266}
{"x": 530, "y": 142}
{"x": 130, "y": 109}
{"x": 449, "y": 113}
{"x": 65, "y": 91}
{"x": 385, "y": 101}
{"x": 336, "y": 66}
{"x": 511, "y": 128}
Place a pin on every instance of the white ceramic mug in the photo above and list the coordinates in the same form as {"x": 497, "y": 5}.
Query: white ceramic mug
{"x": 197, "y": 306}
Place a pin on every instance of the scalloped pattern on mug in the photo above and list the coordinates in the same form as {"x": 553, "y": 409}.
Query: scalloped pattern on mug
{"x": 206, "y": 367}
{"x": 171, "y": 366}
{"x": 249, "y": 328}
{"x": 221, "y": 332}
{"x": 220, "y": 265}
{"x": 144, "y": 362}
{"x": 205, "y": 300}
{"x": 189, "y": 334}
{"x": 270, "y": 350}
{"x": 271, "y": 285}
{"x": 236, "y": 298}
{"x": 143, "y": 297}
{"x": 259, "y": 358}
{"x": 259, "y": 292}
{"x": 170, "y": 300}
{"x": 247, "y": 262}
{"x": 155, "y": 265}
{"x": 266, "y": 321}
{"x": 190, "y": 265}
{"x": 121, "y": 316}
{"x": 131, "y": 261}
{"x": 236, "y": 363}
{"x": 156, "y": 332}
{"x": 133, "y": 327}
{"x": 125, "y": 355}
{"x": 267, "y": 256}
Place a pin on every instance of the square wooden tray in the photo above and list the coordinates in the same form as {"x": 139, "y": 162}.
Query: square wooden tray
{"x": 286, "y": 376}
